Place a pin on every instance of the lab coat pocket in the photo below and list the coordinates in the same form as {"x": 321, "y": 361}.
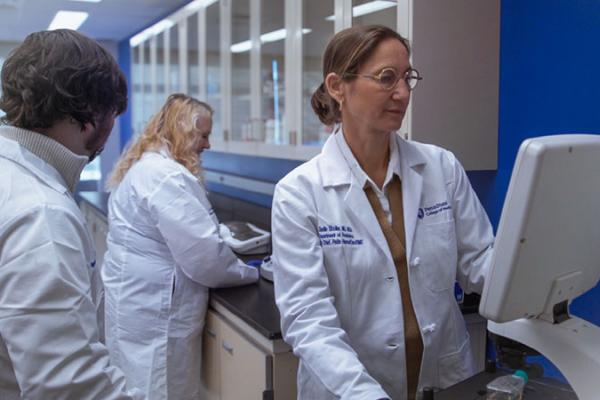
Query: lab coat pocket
{"x": 382, "y": 365}
{"x": 337, "y": 273}
{"x": 456, "y": 366}
{"x": 435, "y": 251}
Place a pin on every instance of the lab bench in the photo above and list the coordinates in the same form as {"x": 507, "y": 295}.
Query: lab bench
{"x": 244, "y": 355}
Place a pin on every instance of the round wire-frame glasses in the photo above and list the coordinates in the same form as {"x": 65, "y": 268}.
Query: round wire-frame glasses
{"x": 388, "y": 78}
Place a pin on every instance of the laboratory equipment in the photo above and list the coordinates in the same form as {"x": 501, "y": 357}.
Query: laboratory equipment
{"x": 546, "y": 253}
{"x": 266, "y": 268}
{"x": 245, "y": 238}
{"x": 507, "y": 387}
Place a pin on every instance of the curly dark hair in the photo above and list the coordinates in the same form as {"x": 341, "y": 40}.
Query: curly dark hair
{"x": 60, "y": 74}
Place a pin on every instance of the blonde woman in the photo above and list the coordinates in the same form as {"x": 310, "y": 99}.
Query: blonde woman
{"x": 164, "y": 252}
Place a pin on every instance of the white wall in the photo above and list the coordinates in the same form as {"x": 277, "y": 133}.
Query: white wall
{"x": 5, "y": 48}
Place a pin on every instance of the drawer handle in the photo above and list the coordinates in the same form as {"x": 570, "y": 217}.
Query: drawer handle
{"x": 210, "y": 333}
{"x": 227, "y": 347}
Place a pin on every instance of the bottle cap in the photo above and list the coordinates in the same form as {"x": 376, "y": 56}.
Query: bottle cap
{"x": 522, "y": 374}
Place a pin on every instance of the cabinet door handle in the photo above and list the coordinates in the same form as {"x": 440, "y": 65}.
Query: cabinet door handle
{"x": 227, "y": 347}
{"x": 211, "y": 333}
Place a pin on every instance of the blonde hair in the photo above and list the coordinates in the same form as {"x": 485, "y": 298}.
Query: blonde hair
{"x": 174, "y": 126}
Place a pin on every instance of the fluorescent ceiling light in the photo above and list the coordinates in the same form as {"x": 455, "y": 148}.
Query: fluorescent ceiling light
{"x": 68, "y": 20}
{"x": 274, "y": 36}
{"x": 367, "y": 8}
{"x": 241, "y": 46}
{"x": 169, "y": 21}
{"x": 155, "y": 29}
{"x": 88, "y": 1}
{"x": 160, "y": 26}
{"x": 268, "y": 37}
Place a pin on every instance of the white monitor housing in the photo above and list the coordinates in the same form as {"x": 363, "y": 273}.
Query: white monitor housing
{"x": 547, "y": 252}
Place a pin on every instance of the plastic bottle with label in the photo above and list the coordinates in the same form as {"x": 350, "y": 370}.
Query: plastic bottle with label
{"x": 508, "y": 387}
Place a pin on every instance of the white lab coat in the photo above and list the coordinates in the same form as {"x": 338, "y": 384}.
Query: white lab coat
{"x": 339, "y": 298}
{"x": 49, "y": 347}
{"x": 164, "y": 252}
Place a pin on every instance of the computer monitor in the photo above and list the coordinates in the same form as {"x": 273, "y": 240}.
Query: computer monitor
{"x": 547, "y": 252}
{"x": 547, "y": 248}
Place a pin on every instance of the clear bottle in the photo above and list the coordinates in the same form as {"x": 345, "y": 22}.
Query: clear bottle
{"x": 508, "y": 387}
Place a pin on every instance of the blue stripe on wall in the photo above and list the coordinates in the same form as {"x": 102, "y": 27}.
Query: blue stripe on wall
{"x": 261, "y": 168}
{"x": 125, "y": 125}
{"x": 272, "y": 170}
{"x": 484, "y": 184}
{"x": 251, "y": 197}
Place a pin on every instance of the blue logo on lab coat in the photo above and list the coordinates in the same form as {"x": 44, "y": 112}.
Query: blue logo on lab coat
{"x": 93, "y": 264}
{"x": 433, "y": 210}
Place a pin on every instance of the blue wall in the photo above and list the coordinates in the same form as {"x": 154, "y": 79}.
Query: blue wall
{"x": 549, "y": 84}
{"x": 125, "y": 124}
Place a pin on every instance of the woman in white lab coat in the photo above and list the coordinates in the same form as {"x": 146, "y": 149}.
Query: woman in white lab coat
{"x": 164, "y": 252}
{"x": 370, "y": 236}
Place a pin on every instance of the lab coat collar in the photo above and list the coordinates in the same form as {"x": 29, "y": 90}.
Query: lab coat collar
{"x": 46, "y": 173}
{"x": 359, "y": 174}
{"x": 412, "y": 163}
{"x": 68, "y": 164}
{"x": 334, "y": 171}
{"x": 332, "y": 166}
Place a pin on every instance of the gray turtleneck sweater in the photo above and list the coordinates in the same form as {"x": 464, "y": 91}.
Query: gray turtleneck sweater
{"x": 68, "y": 164}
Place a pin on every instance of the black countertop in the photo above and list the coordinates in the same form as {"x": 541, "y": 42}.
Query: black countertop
{"x": 254, "y": 304}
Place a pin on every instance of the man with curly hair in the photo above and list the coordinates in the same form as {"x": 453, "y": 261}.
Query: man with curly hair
{"x": 61, "y": 94}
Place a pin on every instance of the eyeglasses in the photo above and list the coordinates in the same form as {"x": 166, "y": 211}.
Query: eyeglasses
{"x": 388, "y": 78}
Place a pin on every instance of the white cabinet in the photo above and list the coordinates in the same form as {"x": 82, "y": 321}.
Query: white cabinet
{"x": 211, "y": 357}
{"x": 243, "y": 365}
{"x": 456, "y": 48}
{"x": 232, "y": 366}
{"x": 239, "y": 363}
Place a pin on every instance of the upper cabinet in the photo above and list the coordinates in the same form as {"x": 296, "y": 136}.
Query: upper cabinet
{"x": 257, "y": 63}
{"x": 456, "y": 48}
